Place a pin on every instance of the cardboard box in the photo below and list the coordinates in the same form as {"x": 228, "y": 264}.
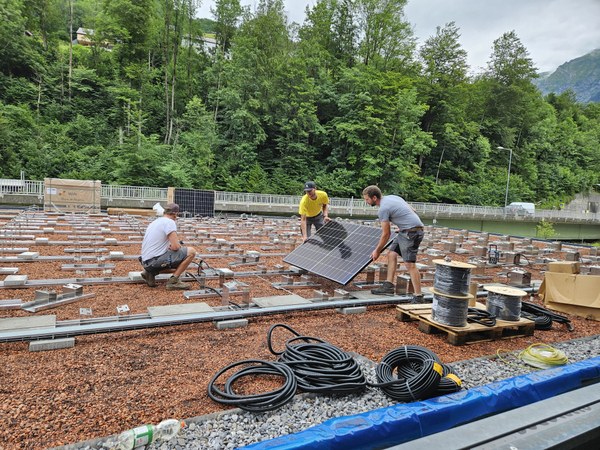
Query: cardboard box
{"x": 573, "y": 294}
{"x": 564, "y": 267}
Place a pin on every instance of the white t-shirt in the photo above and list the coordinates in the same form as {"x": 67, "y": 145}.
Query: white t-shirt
{"x": 156, "y": 239}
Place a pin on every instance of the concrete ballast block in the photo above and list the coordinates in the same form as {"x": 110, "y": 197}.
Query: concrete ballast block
{"x": 353, "y": 310}
{"x": 15, "y": 280}
{"x": 235, "y": 323}
{"x": 51, "y": 344}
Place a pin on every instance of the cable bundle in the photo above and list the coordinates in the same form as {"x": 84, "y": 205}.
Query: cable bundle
{"x": 543, "y": 317}
{"x": 481, "y": 317}
{"x": 451, "y": 280}
{"x": 318, "y": 365}
{"x": 418, "y": 376}
{"x": 450, "y": 382}
{"x": 254, "y": 402}
{"x": 452, "y": 311}
{"x": 543, "y": 356}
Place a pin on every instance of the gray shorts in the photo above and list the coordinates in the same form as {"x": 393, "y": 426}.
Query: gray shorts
{"x": 168, "y": 260}
{"x": 407, "y": 244}
{"x": 318, "y": 221}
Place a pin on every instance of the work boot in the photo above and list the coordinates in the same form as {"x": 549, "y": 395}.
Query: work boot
{"x": 386, "y": 288}
{"x": 149, "y": 279}
{"x": 174, "y": 283}
{"x": 418, "y": 298}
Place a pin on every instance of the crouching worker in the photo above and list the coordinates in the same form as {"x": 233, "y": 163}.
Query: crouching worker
{"x": 162, "y": 250}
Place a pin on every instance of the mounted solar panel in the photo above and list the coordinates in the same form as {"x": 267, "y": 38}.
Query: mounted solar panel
{"x": 338, "y": 251}
{"x": 196, "y": 202}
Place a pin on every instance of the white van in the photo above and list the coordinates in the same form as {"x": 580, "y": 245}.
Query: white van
{"x": 521, "y": 208}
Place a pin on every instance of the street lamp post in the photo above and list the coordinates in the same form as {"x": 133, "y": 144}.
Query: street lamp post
{"x": 507, "y": 175}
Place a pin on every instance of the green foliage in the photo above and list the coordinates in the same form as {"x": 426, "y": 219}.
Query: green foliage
{"x": 344, "y": 99}
{"x": 545, "y": 230}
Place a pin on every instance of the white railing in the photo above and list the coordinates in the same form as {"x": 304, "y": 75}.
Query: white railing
{"x": 115, "y": 192}
{"x": 21, "y": 187}
{"x": 349, "y": 206}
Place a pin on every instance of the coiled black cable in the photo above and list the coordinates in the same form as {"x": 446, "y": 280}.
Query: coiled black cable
{"x": 449, "y": 383}
{"x": 418, "y": 373}
{"x": 265, "y": 401}
{"x": 544, "y": 314}
{"x": 451, "y": 280}
{"x": 318, "y": 365}
{"x": 452, "y": 311}
{"x": 506, "y": 307}
{"x": 480, "y": 316}
{"x": 542, "y": 321}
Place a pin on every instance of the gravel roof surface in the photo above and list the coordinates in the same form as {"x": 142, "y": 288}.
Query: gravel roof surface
{"x": 111, "y": 382}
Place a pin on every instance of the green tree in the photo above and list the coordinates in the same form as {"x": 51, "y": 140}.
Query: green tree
{"x": 227, "y": 14}
{"x": 387, "y": 40}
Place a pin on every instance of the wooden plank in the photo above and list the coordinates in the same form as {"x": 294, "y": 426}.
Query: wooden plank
{"x": 130, "y": 211}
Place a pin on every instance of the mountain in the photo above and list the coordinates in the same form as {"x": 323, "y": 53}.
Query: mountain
{"x": 581, "y": 75}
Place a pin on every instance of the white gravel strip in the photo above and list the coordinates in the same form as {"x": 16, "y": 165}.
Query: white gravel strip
{"x": 237, "y": 428}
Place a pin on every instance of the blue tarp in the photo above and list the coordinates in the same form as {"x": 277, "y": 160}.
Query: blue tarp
{"x": 401, "y": 423}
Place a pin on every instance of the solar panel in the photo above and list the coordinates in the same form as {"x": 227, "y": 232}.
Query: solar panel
{"x": 196, "y": 202}
{"x": 338, "y": 251}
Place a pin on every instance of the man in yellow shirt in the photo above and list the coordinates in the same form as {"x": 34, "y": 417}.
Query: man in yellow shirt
{"x": 313, "y": 209}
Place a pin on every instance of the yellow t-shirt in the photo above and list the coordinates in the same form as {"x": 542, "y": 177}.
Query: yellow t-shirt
{"x": 310, "y": 207}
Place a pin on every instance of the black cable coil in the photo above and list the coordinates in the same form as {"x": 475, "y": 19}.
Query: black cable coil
{"x": 543, "y": 317}
{"x": 480, "y": 316}
{"x": 254, "y": 402}
{"x": 451, "y": 280}
{"x": 318, "y": 365}
{"x": 449, "y": 382}
{"x": 450, "y": 311}
{"x": 505, "y": 307}
{"x": 418, "y": 373}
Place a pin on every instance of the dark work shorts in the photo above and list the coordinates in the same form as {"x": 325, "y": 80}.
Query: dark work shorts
{"x": 318, "y": 221}
{"x": 407, "y": 244}
{"x": 168, "y": 260}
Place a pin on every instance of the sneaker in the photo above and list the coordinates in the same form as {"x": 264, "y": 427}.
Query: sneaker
{"x": 385, "y": 289}
{"x": 149, "y": 279}
{"x": 174, "y": 283}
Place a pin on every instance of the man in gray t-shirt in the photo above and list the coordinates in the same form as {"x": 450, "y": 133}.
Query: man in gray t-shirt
{"x": 162, "y": 251}
{"x": 394, "y": 209}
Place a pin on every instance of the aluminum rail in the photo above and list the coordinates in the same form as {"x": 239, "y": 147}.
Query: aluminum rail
{"x": 141, "y": 321}
{"x": 123, "y": 323}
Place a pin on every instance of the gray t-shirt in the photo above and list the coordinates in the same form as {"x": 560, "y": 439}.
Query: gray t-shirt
{"x": 156, "y": 239}
{"x": 394, "y": 209}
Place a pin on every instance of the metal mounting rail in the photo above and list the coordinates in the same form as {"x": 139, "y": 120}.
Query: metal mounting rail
{"x": 127, "y": 280}
{"x": 127, "y": 323}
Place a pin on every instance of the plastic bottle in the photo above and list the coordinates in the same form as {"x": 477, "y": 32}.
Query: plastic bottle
{"x": 146, "y": 434}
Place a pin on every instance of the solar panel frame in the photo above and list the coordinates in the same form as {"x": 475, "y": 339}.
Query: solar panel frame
{"x": 196, "y": 202}
{"x": 338, "y": 251}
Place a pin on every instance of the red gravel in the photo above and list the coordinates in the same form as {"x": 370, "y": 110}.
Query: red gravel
{"x": 111, "y": 382}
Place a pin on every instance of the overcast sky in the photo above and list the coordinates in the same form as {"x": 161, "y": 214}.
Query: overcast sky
{"x": 553, "y": 31}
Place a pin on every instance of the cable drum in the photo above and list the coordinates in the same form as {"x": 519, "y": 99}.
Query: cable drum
{"x": 450, "y": 310}
{"x": 504, "y": 302}
{"x": 452, "y": 277}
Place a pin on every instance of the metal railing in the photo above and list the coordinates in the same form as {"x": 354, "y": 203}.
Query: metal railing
{"x": 115, "y": 192}
{"x": 347, "y": 206}
{"x": 21, "y": 187}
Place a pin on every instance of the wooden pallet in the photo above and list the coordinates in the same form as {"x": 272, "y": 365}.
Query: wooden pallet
{"x": 469, "y": 334}
{"x": 410, "y": 312}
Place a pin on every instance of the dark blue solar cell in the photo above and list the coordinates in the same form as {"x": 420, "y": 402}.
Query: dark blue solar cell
{"x": 338, "y": 251}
